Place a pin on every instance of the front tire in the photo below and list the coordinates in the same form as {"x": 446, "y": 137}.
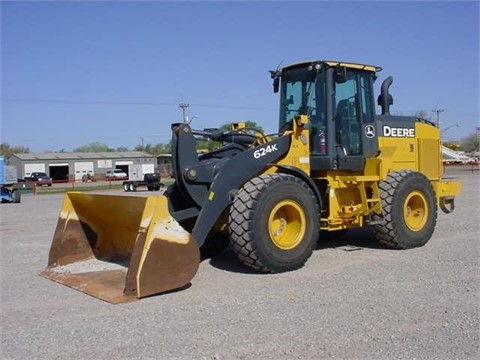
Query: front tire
{"x": 409, "y": 209}
{"x": 16, "y": 196}
{"x": 274, "y": 223}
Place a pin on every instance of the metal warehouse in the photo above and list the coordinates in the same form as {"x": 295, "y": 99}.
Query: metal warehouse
{"x": 74, "y": 165}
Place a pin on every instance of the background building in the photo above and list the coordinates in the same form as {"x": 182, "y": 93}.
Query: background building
{"x": 73, "y": 165}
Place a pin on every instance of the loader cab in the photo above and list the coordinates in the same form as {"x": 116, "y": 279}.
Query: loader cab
{"x": 339, "y": 101}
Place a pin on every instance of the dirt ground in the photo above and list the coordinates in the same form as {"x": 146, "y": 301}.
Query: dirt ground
{"x": 352, "y": 300}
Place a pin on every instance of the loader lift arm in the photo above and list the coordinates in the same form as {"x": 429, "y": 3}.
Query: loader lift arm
{"x": 204, "y": 185}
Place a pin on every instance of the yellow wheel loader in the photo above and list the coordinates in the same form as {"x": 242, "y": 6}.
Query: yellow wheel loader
{"x": 334, "y": 165}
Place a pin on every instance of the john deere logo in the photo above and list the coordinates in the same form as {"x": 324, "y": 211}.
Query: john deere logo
{"x": 369, "y": 131}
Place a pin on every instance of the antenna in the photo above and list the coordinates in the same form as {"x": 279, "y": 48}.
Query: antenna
{"x": 281, "y": 62}
{"x": 274, "y": 73}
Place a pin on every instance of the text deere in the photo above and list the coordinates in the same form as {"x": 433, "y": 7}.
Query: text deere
{"x": 398, "y": 132}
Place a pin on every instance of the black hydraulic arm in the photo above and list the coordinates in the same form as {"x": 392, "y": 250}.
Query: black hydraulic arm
{"x": 231, "y": 176}
{"x": 209, "y": 184}
{"x": 184, "y": 156}
{"x": 193, "y": 173}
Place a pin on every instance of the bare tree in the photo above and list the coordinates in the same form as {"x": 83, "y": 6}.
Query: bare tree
{"x": 470, "y": 143}
{"x": 6, "y": 150}
{"x": 422, "y": 114}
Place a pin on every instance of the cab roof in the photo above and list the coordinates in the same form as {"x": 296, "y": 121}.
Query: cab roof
{"x": 332, "y": 63}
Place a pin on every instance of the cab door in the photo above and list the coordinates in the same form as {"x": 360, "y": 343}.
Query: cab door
{"x": 354, "y": 117}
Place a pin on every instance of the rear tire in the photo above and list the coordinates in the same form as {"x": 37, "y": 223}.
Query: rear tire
{"x": 274, "y": 223}
{"x": 132, "y": 187}
{"x": 126, "y": 187}
{"x": 409, "y": 209}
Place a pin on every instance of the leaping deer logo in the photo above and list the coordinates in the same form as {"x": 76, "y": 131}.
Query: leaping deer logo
{"x": 369, "y": 131}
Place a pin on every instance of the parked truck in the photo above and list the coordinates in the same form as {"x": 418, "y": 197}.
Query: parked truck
{"x": 8, "y": 178}
{"x": 142, "y": 175}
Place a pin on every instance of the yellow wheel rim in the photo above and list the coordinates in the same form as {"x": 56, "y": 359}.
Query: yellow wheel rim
{"x": 287, "y": 224}
{"x": 415, "y": 211}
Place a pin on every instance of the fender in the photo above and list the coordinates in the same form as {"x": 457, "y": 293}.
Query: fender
{"x": 292, "y": 170}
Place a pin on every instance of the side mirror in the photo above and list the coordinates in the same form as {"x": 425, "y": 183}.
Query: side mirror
{"x": 276, "y": 83}
{"x": 340, "y": 74}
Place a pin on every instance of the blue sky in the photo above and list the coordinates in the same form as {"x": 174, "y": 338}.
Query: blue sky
{"x": 75, "y": 72}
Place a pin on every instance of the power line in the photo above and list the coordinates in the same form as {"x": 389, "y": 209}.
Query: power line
{"x": 84, "y": 102}
{"x": 127, "y": 103}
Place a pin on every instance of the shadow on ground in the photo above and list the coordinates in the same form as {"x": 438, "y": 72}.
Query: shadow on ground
{"x": 354, "y": 239}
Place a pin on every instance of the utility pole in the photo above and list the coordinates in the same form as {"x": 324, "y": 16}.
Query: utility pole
{"x": 141, "y": 139}
{"x": 438, "y": 111}
{"x": 184, "y": 107}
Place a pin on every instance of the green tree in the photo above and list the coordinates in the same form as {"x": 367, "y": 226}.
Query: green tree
{"x": 155, "y": 149}
{"x": 145, "y": 148}
{"x": 94, "y": 147}
{"x": 6, "y": 150}
{"x": 165, "y": 148}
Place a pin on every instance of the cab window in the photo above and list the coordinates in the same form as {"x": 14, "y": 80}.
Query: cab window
{"x": 353, "y": 108}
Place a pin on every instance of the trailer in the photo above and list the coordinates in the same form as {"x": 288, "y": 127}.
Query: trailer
{"x": 142, "y": 175}
{"x": 8, "y": 178}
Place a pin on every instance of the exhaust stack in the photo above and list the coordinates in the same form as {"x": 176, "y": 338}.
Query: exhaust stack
{"x": 385, "y": 99}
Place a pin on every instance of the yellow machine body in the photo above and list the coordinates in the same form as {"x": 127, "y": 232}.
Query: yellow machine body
{"x": 330, "y": 168}
{"x": 355, "y": 196}
{"x": 349, "y": 204}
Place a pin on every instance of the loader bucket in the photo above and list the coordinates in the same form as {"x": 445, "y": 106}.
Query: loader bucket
{"x": 120, "y": 248}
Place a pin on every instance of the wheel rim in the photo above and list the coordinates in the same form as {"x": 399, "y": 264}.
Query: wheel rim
{"x": 287, "y": 224}
{"x": 415, "y": 211}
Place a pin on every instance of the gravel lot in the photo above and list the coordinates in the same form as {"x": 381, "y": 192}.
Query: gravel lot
{"x": 352, "y": 300}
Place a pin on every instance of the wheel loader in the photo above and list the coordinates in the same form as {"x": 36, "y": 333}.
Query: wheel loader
{"x": 333, "y": 165}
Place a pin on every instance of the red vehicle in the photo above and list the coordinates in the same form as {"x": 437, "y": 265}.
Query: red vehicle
{"x": 39, "y": 178}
